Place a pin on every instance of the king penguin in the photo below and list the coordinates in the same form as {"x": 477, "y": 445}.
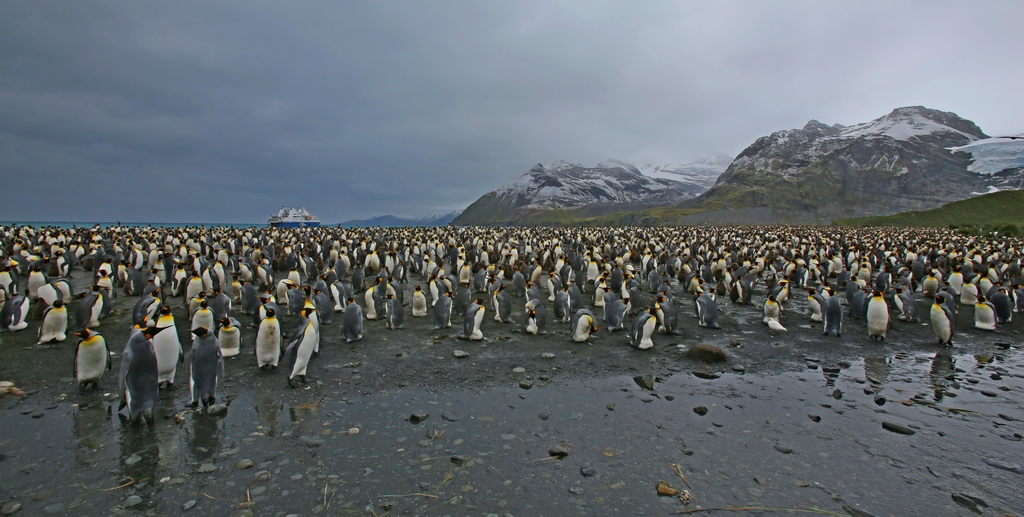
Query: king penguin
{"x": 502, "y": 305}
{"x": 167, "y": 348}
{"x": 419, "y": 303}
{"x": 13, "y": 314}
{"x": 474, "y": 319}
{"x": 877, "y": 316}
{"x": 138, "y": 378}
{"x": 268, "y": 342}
{"x": 942, "y": 320}
{"x": 300, "y": 349}
{"x": 707, "y": 311}
{"x": 395, "y": 317}
{"x": 92, "y": 358}
{"x": 205, "y": 367}
{"x": 582, "y": 325}
{"x": 771, "y": 313}
{"x": 643, "y": 329}
{"x": 352, "y": 322}
{"x": 54, "y": 326}
{"x": 203, "y": 317}
{"x": 984, "y": 314}
{"x": 443, "y": 311}
{"x": 230, "y": 337}
{"x": 832, "y": 317}
{"x": 536, "y": 317}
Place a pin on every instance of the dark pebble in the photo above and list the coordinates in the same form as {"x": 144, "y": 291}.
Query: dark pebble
{"x": 988, "y": 393}
{"x": 856, "y": 512}
{"x": 700, "y": 410}
{"x": 970, "y": 502}
{"x": 418, "y": 417}
{"x": 814, "y": 418}
{"x": 670, "y": 398}
{"x": 707, "y": 375}
{"x": 880, "y": 400}
{"x": 897, "y": 428}
{"x": 783, "y": 449}
{"x": 1016, "y": 469}
{"x": 450, "y": 417}
{"x": 460, "y": 460}
{"x": 576, "y": 490}
{"x": 588, "y": 471}
{"x": 543, "y": 416}
{"x": 189, "y": 505}
{"x": 837, "y": 394}
{"x": 611, "y": 407}
{"x": 559, "y": 451}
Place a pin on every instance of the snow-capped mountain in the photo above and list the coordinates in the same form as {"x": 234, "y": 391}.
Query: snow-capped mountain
{"x": 391, "y": 221}
{"x": 564, "y": 185}
{"x": 895, "y": 163}
{"x": 702, "y": 172}
{"x": 994, "y": 155}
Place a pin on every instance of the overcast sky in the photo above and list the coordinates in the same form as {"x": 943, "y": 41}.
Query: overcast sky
{"x": 223, "y": 111}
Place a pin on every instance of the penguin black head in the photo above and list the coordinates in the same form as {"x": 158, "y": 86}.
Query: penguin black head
{"x": 150, "y": 332}
{"x": 200, "y": 331}
{"x": 165, "y": 310}
{"x": 58, "y": 304}
{"x": 271, "y": 313}
{"x": 84, "y": 333}
{"x": 203, "y": 304}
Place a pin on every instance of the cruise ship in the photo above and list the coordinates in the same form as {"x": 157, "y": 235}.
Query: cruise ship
{"x": 292, "y": 218}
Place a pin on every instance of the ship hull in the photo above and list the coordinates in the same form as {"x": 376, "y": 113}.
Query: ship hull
{"x": 295, "y": 224}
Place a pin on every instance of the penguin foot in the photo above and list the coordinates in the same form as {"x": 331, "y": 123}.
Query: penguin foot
{"x": 291, "y": 383}
{"x": 170, "y": 386}
{"x": 314, "y": 354}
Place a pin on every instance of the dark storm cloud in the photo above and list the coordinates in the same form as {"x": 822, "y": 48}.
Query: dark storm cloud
{"x": 211, "y": 111}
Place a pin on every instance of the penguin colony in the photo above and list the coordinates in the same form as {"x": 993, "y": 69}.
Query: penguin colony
{"x": 288, "y": 284}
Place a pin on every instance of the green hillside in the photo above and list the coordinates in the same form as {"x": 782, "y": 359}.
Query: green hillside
{"x": 1001, "y": 211}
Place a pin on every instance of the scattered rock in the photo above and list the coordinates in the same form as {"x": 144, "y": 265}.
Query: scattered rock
{"x": 665, "y": 489}
{"x": 217, "y": 410}
{"x": 559, "y": 451}
{"x": 450, "y": 417}
{"x": 459, "y": 354}
{"x": 519, "y": 369}
{"x": 133, "y": 500}
{"x": 460, "y": 460}
{"x": 739, "y": 368}
{"x": 898, "y": 428}
{"x": 133, "y": 459}
{"x": 700, "y": 410}
{"x": 706, "y": 353}
{"x": 543, "y": 416}
{"x": 707, "y": 375}
{"x": 576, "y": 490}
{"x": 548, "y": 355}
{"x": 207, "y": 468}
{"x": 880, "y": 400}
{"x": 988, "y": 393}
{"x": 243, "y": 464}
{"x": 610, "y": 407}
{"x": 814, "y": 418}
{"x": 310, "y": 441}
{"x": 418, "y": 417}
{"x": 1016, "y": 469}
{"x": 10, "y": 507}
{"x": 970, "y": 502}
{"x": 588, "y": 471}
{"x": 191, "y": 503}
{"x": 526, "y": 384}
{"x": 837, "y": 394}
{"x": 670, "y": 398}
{"x": 783, "y": 449}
